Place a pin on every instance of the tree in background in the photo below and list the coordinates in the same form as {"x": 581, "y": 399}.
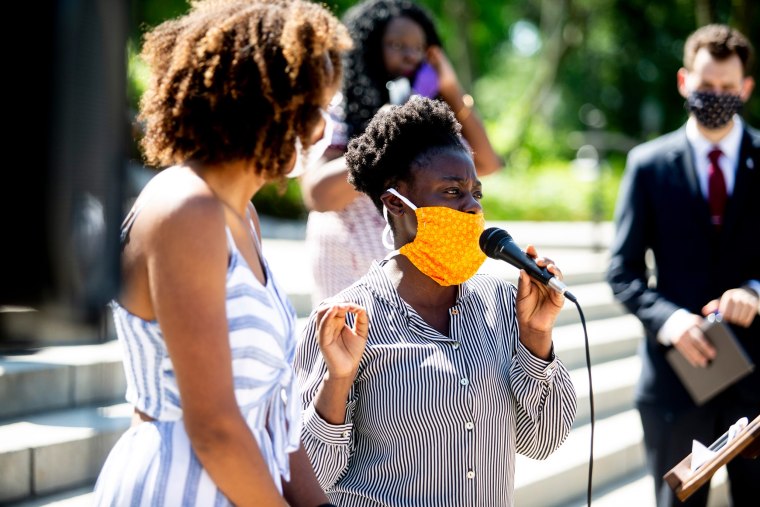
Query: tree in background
{"x": 553, "y": 75}
{"x": 550, "y": 76}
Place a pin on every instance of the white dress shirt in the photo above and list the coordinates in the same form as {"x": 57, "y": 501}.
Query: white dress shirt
{"x": 729, "y": 162}
{"x": 729, "y": 145}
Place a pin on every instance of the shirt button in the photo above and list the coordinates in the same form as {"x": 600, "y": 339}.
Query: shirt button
{"x": 471, "y": 474}
{"x": 469, "y": 425}
{"x": 455, "y": 345}
{"x": 464, "y": 381}
{"x": 346, "y": 434}
{"x": 454, "y": 311}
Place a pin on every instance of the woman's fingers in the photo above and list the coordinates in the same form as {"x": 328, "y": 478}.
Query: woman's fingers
{"x": 544, "y": 262}
{"x": 332, "y": 318}
{"x": 361, "y": 324}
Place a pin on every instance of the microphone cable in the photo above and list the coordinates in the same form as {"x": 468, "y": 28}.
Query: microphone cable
{"x": 498, "y": 244}
{"x": 591, "y": 402}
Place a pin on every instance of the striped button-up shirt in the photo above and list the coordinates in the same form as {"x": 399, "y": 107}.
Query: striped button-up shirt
{"x": 432, "y": 419}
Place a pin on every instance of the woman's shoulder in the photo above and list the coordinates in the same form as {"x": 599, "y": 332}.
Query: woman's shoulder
{"x": 179, "y": 189}
{"x": 176, "y": 202}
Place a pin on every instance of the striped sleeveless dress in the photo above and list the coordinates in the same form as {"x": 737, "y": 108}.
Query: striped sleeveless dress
{"x": 153, "y": 463}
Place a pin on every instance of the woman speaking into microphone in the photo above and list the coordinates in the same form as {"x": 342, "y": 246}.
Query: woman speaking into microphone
{"x": 422, "y": 380}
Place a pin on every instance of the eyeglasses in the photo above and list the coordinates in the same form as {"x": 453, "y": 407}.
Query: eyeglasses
{"x": 400, "y": 48}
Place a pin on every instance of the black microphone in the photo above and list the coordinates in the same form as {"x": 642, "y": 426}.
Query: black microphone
{"x": 498, "y": 244}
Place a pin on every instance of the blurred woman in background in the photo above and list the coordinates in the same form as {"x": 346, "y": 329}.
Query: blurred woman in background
{"x": 397, "y": 53}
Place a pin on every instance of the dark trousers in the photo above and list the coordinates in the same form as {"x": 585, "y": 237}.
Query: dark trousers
{"x": 668, "y": 436}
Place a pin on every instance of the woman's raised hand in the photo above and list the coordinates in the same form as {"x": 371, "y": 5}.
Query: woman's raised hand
{"x": 342, "y": 346}
{"x": 447, "y": 77}
{"x": 538, "y": 307}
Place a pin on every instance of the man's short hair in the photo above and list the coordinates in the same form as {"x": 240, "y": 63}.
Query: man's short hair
{"x": 722, "y": 42}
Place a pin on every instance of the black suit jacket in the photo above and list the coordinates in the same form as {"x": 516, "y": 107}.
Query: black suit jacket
{"x": 660, "y": 207}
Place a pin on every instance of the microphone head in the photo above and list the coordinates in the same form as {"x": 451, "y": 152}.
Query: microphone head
{"x": 490, "y": 240}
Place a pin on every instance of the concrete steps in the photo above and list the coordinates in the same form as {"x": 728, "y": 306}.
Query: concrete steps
{"x": 59, "y": 377}
{"x": 59, "y": 450}
{"x": 57, "y": 415}
{"x": 61, "y": 408}
{"x": 564, "y": 474}
{"x": 636, "y": 490}
{"x": 61, "y": 411}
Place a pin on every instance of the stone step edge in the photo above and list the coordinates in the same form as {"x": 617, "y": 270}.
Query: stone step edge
{"x": 640, "y": 485}
{"x": 618, "y": 451}
{"x": 614, "y": 385}
{"x": 60, "y": 377}
{"x": 56, "y": 451}
{"x": 61, "y": 426}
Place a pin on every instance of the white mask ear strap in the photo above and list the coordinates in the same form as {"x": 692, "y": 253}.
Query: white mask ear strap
{"x": 404, "y": 199}
{"x": 387, "y": 232}
{"x": 387, "y": 237}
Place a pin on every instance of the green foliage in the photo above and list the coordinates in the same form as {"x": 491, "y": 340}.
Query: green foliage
{"x": 281, "y": 200}
{"x": 137, "y": 75}
{"x": 599, "y": 72}
{"x": 553, "y": 191}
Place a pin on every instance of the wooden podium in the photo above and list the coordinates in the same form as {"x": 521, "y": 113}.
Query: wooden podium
{"x": 684, "y": 482}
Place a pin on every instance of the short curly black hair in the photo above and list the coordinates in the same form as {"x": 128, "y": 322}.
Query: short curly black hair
{"x": 365, "y": 77}
{"x": 239, "y": 80}
{"x": 396, "y": 140}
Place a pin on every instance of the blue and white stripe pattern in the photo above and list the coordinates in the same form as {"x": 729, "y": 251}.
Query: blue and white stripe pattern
{"x": 153, "y": 463}
{"x": 435, "y": 420}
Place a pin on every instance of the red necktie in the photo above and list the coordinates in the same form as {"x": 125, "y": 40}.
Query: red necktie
{"x": 716, "y": 188}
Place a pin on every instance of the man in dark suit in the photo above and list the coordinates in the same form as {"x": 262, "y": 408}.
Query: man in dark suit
{"x": 697, "y": 210}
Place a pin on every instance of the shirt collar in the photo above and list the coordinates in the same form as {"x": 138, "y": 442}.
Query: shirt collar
{"x": 729, "y": 145}
{"x": 378, "y": 282}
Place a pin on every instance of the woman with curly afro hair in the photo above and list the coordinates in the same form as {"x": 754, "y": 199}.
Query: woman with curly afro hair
{"x": 457, "y": 372}
{"x": 395, "y": 41}
{"x": 208, "y": 337}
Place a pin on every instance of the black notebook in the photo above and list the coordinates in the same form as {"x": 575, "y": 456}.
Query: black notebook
{"x": 730, "y": 365}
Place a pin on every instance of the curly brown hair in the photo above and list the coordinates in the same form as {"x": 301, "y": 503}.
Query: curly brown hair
{"x": 239, "y": 80}
{"x": 721, "y": 41}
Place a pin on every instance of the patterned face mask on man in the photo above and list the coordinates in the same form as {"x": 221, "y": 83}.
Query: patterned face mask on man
{"x": 713, "y": 110}
{"x": 446, "y": 246}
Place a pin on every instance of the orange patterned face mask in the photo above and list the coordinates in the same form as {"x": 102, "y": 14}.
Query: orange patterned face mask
{"x": 446, "y": 247}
